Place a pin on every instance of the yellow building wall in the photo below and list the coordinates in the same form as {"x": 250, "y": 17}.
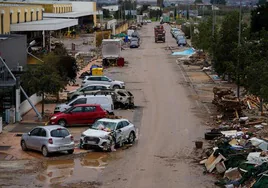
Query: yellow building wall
{"x": 10, "y": 14}
{"x": 121, "y": 29}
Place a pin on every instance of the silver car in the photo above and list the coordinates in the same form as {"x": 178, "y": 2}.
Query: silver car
{"x": 48, "y": 139}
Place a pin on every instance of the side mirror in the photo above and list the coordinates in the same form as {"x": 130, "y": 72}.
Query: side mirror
{"x": 29, "y": 134}
{"x": 119, "y": 130}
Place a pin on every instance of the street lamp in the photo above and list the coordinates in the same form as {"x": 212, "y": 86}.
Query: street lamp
{"x": 239, "y": 44}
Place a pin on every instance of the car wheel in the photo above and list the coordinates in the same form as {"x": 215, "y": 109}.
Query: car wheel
{"x": 45, "y": 151}
{"x": 116, "y": 87}
{"x": 131, "y": 137}
{"x": 71, "y": 151}
{"x": 62, "y": 122}
{"x": 23, "y": 145}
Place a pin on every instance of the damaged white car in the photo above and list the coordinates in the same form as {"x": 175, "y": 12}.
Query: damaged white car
{"x": 107, "y": 133}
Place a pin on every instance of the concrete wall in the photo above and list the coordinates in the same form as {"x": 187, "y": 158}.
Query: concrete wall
{"x": 121, "y": 29}
{"x": 85, "y": 7}
{"x": 25, "y": 105}
{"x": 13, "y": 50}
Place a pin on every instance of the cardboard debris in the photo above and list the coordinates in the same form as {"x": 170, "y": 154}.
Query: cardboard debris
{"x": 232, "y": 174}
{"x": 220, "y": 167}
{"x": 212, "y": 161}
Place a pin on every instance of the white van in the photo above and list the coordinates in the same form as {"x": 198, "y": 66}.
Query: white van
{"x": 105, "y": 101}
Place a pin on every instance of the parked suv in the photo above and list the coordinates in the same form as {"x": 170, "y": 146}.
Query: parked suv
{"x": 48, "y": 139}
{"x": 82, "y": 114}
{"x": 103, "y": 80}
{"x": 105, "y": 101}
{"x": 84, "y": 90}
{"x": 105, "y": 133}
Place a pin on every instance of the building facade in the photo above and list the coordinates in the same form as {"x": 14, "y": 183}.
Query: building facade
{"x": 15, "y": 13}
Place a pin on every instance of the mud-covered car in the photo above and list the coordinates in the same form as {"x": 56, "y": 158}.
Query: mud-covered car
{"x": 122, "y": 98}
{"x": 106, "y": 133}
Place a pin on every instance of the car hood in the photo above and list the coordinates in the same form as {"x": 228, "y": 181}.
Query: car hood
{"x": 119, "y": 82}
{"x": 96, "y": 133}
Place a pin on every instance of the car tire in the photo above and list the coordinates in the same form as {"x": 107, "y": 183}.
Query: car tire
{"x": 62, "y": 122}
{"x": 71, "y": 151}
{"x": 116, "y": 87}
{"x": 45, "y": 151}
{"x": 212, "y": 135}
{"x": 23, "y": 145}
{"x": 131, "y": 137}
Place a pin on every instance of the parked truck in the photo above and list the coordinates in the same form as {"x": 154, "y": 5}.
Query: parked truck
{"x": 165, "y": 18}
{"x": 159, "y": 33}
{"x": 139, "y": 19}
{"x": 111, "y": 50}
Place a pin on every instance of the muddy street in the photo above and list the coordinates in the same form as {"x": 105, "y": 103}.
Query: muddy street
{"x": 162, "y": 155}
{"x": 168, "y": 119}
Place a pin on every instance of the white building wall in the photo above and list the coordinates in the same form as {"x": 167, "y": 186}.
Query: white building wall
{"x": 25, "y": 105}
{"x": 82, "y": 6}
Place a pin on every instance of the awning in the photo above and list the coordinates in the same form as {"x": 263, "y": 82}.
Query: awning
{"x": 68, "y": 14}
{"x": 46, "y": 24}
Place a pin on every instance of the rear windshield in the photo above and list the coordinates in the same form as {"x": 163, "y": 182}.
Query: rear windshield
{"x": 59, "y": 133}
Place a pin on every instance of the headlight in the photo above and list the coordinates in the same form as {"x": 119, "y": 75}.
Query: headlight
{"x": 54, "y": 117}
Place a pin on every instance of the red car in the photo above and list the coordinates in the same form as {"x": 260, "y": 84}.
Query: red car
{"x": 81, "y": 114}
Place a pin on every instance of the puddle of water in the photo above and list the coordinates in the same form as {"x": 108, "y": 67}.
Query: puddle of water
{"x": 72, "y": 170}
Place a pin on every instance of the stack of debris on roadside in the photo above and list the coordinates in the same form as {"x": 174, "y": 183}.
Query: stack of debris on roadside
{"x": 197, "y": 59}
{"x": 238, "y": 151}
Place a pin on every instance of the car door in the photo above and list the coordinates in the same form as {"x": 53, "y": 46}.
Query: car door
{"x": 75, "y": 115}
{"x": 120, "y": 132}
{"x": 105, "y": 80}
{"x": 89, "y": 115}
{"x": 126, "y": 129}
{"x": 32, "y": 140}
{"x": 42, "y": 139}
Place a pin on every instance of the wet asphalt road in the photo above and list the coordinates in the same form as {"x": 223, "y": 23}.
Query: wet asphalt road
{"x": 169, "y": 125}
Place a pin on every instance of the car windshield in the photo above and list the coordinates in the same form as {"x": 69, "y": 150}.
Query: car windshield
{"x": 59, "y": 133}
{"x": 104, "y": 125}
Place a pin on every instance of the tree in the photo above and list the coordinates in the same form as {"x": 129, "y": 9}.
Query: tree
{"x": 41, "y": 79}
{"x": 262, "y": 2}
{"x": 259, "y": 18}
{"x": 175, "y": 13}
{"x": 198, "y": 1}
{"x": 218, "y": 2}
{"x": 203, "y": 39}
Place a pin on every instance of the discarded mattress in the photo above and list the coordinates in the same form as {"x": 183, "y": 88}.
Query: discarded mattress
{"x": 189, "y": 52}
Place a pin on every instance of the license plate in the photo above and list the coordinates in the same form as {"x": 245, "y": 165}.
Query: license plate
{"x": 66, "y": 147}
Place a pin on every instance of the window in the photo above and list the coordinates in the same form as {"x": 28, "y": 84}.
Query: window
{"x": 2, "y": 23}
{"x": 43, "y": 133}
{"x": 59, "y": 133}
{"x": 31, "y": 16}
{"x": 10, "y": 18}
{"x": 25, "y": 16}
{"x": 100, "y": 87}
{"x": 18, "y": 17}
{"x": 94, "y": 78}
{"x": 120, "y": 125}
{"x": 125, "y": 123}
{"x": 37, "y": 15}
{"x": 104, "y": 79}
{"x": 90, "y": 109}
{"x": 90, "y": 88}
{"x": 80, "y": 101}
{"x": 77, "y": 109}
{"x": 35, "y": 132}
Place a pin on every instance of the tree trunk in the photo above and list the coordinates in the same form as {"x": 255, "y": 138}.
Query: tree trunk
{"x": 43, "y": 104}
{"x": 261, "y": 105}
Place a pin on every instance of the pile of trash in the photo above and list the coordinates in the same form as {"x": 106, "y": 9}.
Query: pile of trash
{"x": 240, "y": 157}
{"x": 227, "y": 102}
{"x": 253, "y": 102}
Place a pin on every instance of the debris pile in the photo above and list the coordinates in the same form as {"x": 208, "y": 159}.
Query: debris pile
{"x": 253, "y": 102}
{"x": 225, "y": 100}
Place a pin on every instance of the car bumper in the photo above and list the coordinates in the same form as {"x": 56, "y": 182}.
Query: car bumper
{"x": 93, "y": 144}
{"x": 66, "y": 147}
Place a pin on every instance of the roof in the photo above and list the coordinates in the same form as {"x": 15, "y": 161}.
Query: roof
{"x": 46, "y": 24}
{"x": 86, "y": 105}
{"x": 113, "y": 120}
{"x": 68, "y": 14}
{"x": 51, "y": 127}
